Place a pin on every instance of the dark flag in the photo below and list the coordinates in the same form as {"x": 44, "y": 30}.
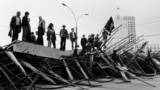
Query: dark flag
{"x": 109, "y": 25}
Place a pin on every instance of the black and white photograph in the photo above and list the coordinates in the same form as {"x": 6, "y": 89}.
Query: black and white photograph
{"x": 79, "y": 44}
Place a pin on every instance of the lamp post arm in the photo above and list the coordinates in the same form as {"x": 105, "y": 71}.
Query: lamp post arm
{"x": 80, "y": 17}
{"x": 73, "y": 14}
{"x": 76, "y": 20}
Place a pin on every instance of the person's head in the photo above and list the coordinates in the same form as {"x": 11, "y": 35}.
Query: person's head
{"x": 72, "y": 29}
{"x": 92, "y": 35}
{"x": 97, "y": 35}
{"x": 27, "y": 13}
{"x": 83, "y": 36}
{"x": 18, "y": 13}
{"x": 40, "y": 17}
{"x": 32, "y": 33}
{"x": 50, "y": 25}
{"x": 114, "y": 51}
{"x": 64, "y": 26}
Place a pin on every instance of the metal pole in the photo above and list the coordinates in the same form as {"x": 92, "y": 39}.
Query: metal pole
{"x": 76, "y": 20}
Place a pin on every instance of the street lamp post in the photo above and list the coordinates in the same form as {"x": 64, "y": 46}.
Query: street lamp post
{"x": 76, "y": 21}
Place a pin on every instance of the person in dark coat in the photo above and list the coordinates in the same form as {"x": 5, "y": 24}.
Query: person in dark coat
{"x": 105, "y": 34}
{"x": 26, "y": 28}
{"x": 118, "y": 63}
{"x": 97, "y": 42}
{"x": 116, "y": 58}
{"x": 73, "y": 38}
{"x": 41, "y": 31}
{"x": 91, "y": 42}
{"x": 64, "y": 35}
{"x": 51, "y": 36}
{"x": 33, "y": 38}
{"x": 15, "y": 26}
{"x": 83, "y": 44}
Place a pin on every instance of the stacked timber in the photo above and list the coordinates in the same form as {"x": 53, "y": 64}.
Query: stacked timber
{"x": 25, "y": 64}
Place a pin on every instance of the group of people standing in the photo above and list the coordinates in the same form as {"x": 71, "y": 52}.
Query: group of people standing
{"x": 15, "y": 28}
{"x": 16, "y": 24}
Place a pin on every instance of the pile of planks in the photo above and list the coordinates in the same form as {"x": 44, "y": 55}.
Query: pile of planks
{"x": 24, "y": 64}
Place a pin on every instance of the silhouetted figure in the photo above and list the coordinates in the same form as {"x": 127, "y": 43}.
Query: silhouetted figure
{"x": 83, "y": 44}
{"x": 105, "y": 34}
{"x": 73, "y": 38}
{"x": 120, "y": 65}
{"x": 90, "y": 42}
{"x": 116, "y": 58}
{"x": 15, "y": 26}
{"x": 64, "y": 35}
{"x": 26, "y": 28}
{"x": 96, "y": 40}
{"x": 51, "y": 36}
{"x": 91, "y": 39}
{"x": 41, "y": 31}
{"x": 33, "y": 38}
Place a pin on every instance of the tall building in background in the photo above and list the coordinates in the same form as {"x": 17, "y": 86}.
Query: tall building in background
{"x": 127, "y": 28}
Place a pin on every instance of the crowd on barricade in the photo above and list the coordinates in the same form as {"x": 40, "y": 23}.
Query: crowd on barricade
{"x": 28, "y": 36}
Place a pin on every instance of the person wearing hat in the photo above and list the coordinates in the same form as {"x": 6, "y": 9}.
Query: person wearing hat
{"x": 73, "y": 38}
{"x": 26, "y": 28}
{"x": 63, "y": 35}
{"x": 15, "y": 26}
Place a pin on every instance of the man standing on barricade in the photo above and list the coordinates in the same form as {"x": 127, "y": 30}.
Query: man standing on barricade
{"x": 15, "y": 26}
{"x": 73, "y": 38}
{"x": 41, "y": 31}
{"x": 64, "y": 35}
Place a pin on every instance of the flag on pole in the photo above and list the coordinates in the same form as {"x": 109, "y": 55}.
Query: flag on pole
{"x": 109, "y": 25}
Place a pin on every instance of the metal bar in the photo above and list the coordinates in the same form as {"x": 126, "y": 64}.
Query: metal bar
{"x": 85, "y": 75}
{"x": 8, "y": 78}
{"x": 67, "y": 69}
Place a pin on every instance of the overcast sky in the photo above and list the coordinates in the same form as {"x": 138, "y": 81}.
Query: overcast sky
{"x": 146, "y": 12}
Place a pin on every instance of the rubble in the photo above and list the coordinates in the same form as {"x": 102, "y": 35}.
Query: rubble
{"x": 28, "y": 65}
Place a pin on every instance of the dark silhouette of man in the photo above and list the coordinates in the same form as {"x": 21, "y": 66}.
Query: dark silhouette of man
{"x": 15, "y": 26}
{"x": 73, "y": 38}
{"x": 41, "y": 31}
{"x": 64, "y": 35}
{"x": 83, "y": 44}
{"x": 33, "y": 38}
{"x": 26, "y": 28}
{"x": 120, "y": 64}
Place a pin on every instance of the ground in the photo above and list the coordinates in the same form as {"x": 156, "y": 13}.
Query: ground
{"x": 116, "y": 84}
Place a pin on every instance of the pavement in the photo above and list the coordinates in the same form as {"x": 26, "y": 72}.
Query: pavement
{"x": 116, "y": 84}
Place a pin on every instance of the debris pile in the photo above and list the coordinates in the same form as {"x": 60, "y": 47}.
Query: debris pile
{"x": 24, "y": 64}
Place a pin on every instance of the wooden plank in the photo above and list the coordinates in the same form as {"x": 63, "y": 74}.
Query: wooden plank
{"x": 14, "y": 59}
{"x": 12, "y": 83}
{"x": 37, "y": 71}
{"x": 134, "y": 76}
{"x": 58, "y": 77}
{"x": 68, "y": 71}
{"x": 79, "y": 66}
